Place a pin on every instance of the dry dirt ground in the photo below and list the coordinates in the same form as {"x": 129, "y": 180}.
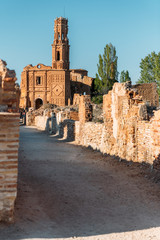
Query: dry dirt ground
{"x": 71, "y": 192}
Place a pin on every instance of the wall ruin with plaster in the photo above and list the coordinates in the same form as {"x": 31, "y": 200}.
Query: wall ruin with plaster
{"x": 131, "y": 128}
{"x": 129, "y": 131}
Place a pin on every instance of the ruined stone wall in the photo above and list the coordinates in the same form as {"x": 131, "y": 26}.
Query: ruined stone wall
{"x": 9, "y": 92}
{"x": 80, "y": 83}
{"x": 74, "y": 115}
{"x": 9, "y": 141}
{"x": 85, "y": 109}
{"x": 41, "y": 122}
{"x": 81, "y": 87}
{"x": 76, "y": 99}
{"x": 155, "y": 135}
{"x": 89, "y": 134}
{"x": 148, "y": 91}
{"x": 144, "y": 142}
{"x": 30, "y": 118}
{"x": 67, "y": 129}
{"x": 127, "y": 131}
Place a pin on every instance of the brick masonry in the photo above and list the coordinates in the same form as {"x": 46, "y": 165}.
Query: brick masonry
{"x": 9, "y": 142}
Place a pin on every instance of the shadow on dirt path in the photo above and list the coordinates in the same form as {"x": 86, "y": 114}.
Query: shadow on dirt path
{"x": 66, "y": 190}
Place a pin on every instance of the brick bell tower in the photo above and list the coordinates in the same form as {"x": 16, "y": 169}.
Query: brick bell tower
{"x": 60, "y": 46}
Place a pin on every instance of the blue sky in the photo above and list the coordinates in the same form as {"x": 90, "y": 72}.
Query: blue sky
{"x": 26, "y": 28}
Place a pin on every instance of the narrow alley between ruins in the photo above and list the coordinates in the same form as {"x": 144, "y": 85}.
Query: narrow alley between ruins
{"x": 67, "y": 191}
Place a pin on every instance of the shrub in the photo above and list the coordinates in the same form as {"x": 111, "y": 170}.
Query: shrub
{"x": 97, "y": 99}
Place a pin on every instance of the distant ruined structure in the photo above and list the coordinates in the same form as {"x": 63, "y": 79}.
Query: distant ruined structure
{"x": 54, "y": 84}
{"x": 9, "y": 141}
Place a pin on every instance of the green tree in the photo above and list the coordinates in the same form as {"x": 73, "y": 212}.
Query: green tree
{"x": 150, "y": 69}
{"x": 124, "y": 77}
{"x": 107, "y": 70}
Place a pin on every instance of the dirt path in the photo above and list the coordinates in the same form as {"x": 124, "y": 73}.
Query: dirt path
{"x": 69, "y": 192}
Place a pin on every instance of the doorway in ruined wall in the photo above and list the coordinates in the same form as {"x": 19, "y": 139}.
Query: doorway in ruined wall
{"x": 38, "y": 103}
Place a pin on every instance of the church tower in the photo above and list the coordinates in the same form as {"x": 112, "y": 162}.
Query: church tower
{"x": 56, "y": 84}
{"x": 60, "y": 46}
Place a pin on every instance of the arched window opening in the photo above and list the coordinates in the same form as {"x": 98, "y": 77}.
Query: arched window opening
{"x": 38, "y": 103}
{"x": 58, "y": 36}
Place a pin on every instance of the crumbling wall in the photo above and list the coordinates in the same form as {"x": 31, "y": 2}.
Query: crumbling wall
{"x": 127, "y": 132}
{"x": 9, "y": 141}
{"x": 85, "y": 109}
{"x": 30, "y": 118}
{"x": 41, "y": 122}
{"x": 148, "y": 91}
{"x": 67, "y": 129}
{"x": 89, "y": 134}
{"x": 76, "y": 99}
{"x": 144, "y": 140}
{"x": 80, "y": 83}
{"x": 53, "y": 120}
{"x": 9, "y": 92}
{"x": 155, "y": 135}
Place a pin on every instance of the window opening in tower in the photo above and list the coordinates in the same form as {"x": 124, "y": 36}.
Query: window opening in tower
{"x": 58, "y": 56}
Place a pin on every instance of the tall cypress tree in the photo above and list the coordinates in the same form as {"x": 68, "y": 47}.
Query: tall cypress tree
{"x": 107, "y": 70}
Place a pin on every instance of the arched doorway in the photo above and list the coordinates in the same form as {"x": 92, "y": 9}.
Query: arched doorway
{"x": 38, "y": 103}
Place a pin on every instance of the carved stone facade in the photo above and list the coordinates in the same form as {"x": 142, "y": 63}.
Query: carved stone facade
{"x": 54, "y": 84}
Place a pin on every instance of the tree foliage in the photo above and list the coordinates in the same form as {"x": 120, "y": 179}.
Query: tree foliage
{"x": 124, "y": 77}
{"x": 150, "y": 69}
{"x": 107, "y": 70}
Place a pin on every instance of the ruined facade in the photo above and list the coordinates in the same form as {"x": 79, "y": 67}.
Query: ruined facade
{"x": 54, "y": 84}
{"x": 9, "y": 141}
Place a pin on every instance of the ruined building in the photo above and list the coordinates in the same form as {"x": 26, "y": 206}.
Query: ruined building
{"x": 54, "y": 84}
